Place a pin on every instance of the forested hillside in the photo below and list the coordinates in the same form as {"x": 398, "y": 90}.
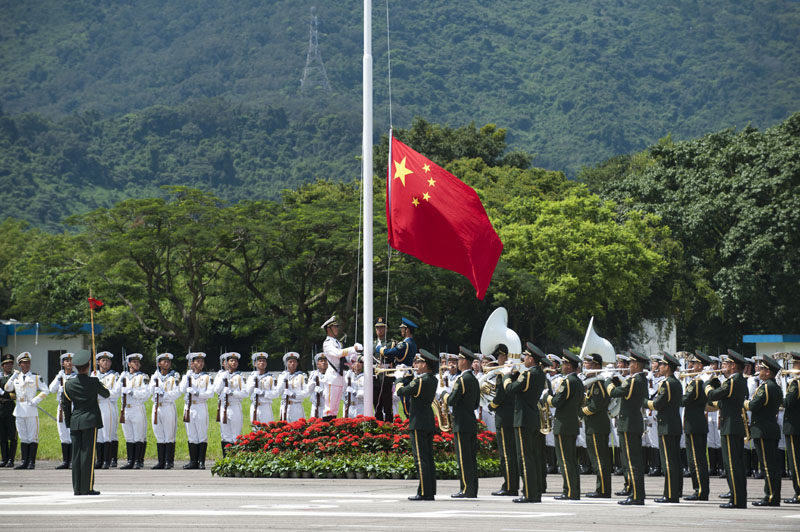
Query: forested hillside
{"x": 574, "y": 82}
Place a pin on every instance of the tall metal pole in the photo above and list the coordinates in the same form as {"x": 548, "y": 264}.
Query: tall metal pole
{"x": 366, "y": 185}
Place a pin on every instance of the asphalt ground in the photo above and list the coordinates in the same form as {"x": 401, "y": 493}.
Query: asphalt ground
{"x": 42, "y": 499}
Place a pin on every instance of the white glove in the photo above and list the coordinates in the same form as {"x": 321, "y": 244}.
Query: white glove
{"x": 159, "y": 391}
{"x": 350, "y": 390}
{"x": 507, "y": 370}
{"x": 318, "y": 389}
{"x": 2, "y": 392}
{"x": 190, "y": 390}
{"x": 360, "y": 393}
{"x": 226, "y": 391}
{"x": 358, "y": 347}
{"x": 399, "y": 374}
{"x": 288, "y": 393}
{"x": 126, "y": 390}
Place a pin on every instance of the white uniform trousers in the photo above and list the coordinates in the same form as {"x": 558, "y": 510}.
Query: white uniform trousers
{"x": 28, "y": 429}
{"x": 135, "y": 426}
{"x": 197, "y": 427}
{"x": 714, "y": 440}
{"x": 356, "y": 409}
{"x": 231, "y": 429}
{"x": 333, "y": 399}
{"x": 110, "y": 414}
{"x": 264, "y": 414}
{"x": 167, "y": 425}
{"x": 294, "y": 410}
{"x": 63, "y": 432}
{"x": 580, "y": 441}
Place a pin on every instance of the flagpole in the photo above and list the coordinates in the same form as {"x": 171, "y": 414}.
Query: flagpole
{"x": 91, "y": 318}
{"x": 366, "y": 185}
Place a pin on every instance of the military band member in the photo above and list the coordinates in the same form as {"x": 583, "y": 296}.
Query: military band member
{"x": 730, "y": 397}
{"x": 315, "y": 387}
{"x": 632, "y": 393}
{"x": 338, "y": 357}
{"x": 421, "y": 425}
{"x": 464, "y": 399}
{"x": 525, "y": 387}
{"x": 262, "y": 389}
{"x": 715, "y": 464}
{"x": 567, "y": 401}
{"x": 80, "y": 406}
{"x": 667, "y": 404}
{"x": 486, "y": 414}
{"x": 764, "y": 430}
{"x": 354, "y": 393}
{"x": 402, "y": 353}
{"x": 503, "y": 407}
{"x": 107, "y": 446}
{"x": 25, "y": 385}
{"x": 132, "y": 386}
{"x": 695, "y": 426}
{"x": 165, "y": 389}
{"x": 231, "y": 387}
{"x": 57, "y": 387}
{"x": 8, "y": 428}
{"x": 384, "y": 382}
{"x": 292, "y": 388}
{"x": 197, "y": 388}
{"x": 791, "y": 427}
{"x": 598, "y": 425}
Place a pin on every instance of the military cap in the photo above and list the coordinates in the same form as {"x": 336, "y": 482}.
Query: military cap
{"x": 736, "y": 357}
{"x": 594, "y": 357}
{"x": 571, "y": 357}
{"x": 666, "y": 358}
{"x": 66, "y": 355}
{"x": 290, "y": 354}
{"x": 714, "y": 360}
{"x": 23, "y": 357}
{"x": 259, "y": 354}
{"x": 554, "y": 359}
{"x": 795, "y": 356}
{"x": 405, "y": 322}
{"x": 623, "y": 357}
{"x": 699, "y": 356}
{"x": 490, "y": 358}
{"x": 232, "y": 354}
{"x": 168, "y": 356}
{"x": 546, "y": 362}
{"x": 195, "y": 354}
{"x": 8, "y": 357}
{"x": 131, "y": 356}
{"x": 106, "y": 354}
{"x": 319, "y": 356}
{"x": 636, "y": 355}
{"x": 535, "y": 352}
{"x": 82, "y": 358}
{"x": 330, "y": 321}
{"x": 380, "y": 322}
{"x": 427, "y": 357}
{"x": 463, "y": 352}
{"x": 770, "y": 362}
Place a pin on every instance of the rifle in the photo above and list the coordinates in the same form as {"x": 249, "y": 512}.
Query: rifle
{"x": 285, "y": 401}
{"x": 349, "y": 398}
{"x": 318, "y": 396}
{"x": 124, "y": 401}
{"x": 187, "y": 406}
{"x": 227, "y": 400}
{"x": 255, "y": 407}
{"x": 155, "y": 411}
{"x": 60, "y": 410}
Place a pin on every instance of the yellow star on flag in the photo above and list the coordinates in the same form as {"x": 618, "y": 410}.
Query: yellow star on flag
{"x": 431, "y": 182}
{"x": 426, "y": 167}
{"x": 426, "y": 196}
{"x": 415, "y": 201}
{"x": 401, "y": 171}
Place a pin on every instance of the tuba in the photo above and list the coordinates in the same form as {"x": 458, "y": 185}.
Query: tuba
{"x": 496, "y": 333}
{"x": 594, "y": 343}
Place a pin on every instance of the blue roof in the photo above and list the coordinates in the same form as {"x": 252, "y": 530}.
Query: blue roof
{"x": 26, "y": 329}
{"x": 770, "y": 338}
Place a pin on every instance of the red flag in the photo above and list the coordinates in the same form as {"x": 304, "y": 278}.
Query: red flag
{"x": 94, "y": 304}
{"x": 435, "y": 217}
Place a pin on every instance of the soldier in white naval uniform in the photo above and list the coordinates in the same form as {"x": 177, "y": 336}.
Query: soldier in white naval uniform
{"x": 315, "y": 386}
{"x": 107, "y": 445}
{"x": 337, "y": 357}
{"x": 132, "y": 386}
{"x": 198, "y": 389}
{"x": 57, "y": 387}
{"x": 291, "y": 389}
{"x": 354, "y": 393}
{"x": 231, "y": 387}
{"x": 26, "y": 385}
{"x": 164, "y": 389}
{"x": 262, "y": 389}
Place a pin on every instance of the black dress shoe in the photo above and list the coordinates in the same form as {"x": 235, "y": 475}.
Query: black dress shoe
{"x": 421, "y": 498}
{"x": 525, "y": 499}
{"x": 461, "y": 495}
{"x": 764, "y": 502}
{"x": 618, "y": 472}
{"x": 695, "y": 497}
{"x": 631, "y": 502}
{"x": 667, "y": 499}
{"x": 596, "y": 495}
{"x": 758, "y": 475}
{"x": 655, "y": 472}
{"x": 731, "y": 505}
{"x": 725, "y": 495}
{"x": 794, "y": 500}
{"x": 501, "y": 493}
{"x": 623, "y": 493}
{"x": 93, "y": 492}
{"x": 563, "y": 497}
{"x": 723, "y": 474}
{"x": 686, "y": 473}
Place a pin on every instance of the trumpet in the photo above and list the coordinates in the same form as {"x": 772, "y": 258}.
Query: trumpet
{"x": 683, "y": 374}
{"x": 611, "y": 371}
{"x": 378, "y": 371}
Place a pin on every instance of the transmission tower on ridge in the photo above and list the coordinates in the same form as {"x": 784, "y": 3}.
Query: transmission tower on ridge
{"x": 314, "y": 75}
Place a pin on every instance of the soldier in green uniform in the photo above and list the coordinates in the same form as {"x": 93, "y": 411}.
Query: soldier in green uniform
{"x": 464, "y": 399}
{"x": 525, "y": 388}
{"x": 695, "y": 426}
{"x": 730, "y": 397}
{"x": 567, "y": 401}
{"x": 598, "y": 426}
{"x": 667, "y": 404}
{"x": 8, "y": 426}
{"x": 82, "y": 411}
{"x": 764, "y": 428}
{"x": 632, "y": 393}
{"x": 791, "y": 427}
{"x": 503, "y": 407}
{"x": 421, "y": 392}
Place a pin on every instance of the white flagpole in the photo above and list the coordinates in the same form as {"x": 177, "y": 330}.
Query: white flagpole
{"x": 366, "y": 185}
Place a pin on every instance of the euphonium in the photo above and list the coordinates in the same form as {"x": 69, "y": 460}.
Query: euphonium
{"x": 746, "y": 426}
{"x": 545, "y": 419}
{"x": 442, "y": 414}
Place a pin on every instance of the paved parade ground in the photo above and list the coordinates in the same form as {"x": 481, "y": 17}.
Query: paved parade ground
{"x": 42, "y": 499}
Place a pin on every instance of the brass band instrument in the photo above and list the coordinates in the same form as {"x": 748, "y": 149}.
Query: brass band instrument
{"x": 378, "y": 371}
{"x": 746, "y": 426}
{"x": 442, "y": 413}
{"x": 545, "y": 418}
{"x": 683, "y": 374}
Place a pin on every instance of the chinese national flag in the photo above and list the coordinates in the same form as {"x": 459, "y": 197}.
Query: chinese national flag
{"x": 95, "y": 304}
{"x": 435, "y": 217}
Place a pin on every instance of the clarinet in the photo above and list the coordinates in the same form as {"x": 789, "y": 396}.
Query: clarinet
{"x": 60, "y": 410}
{"x": 227, "y": 400}
{"x": 124, "y": 401}
{"x": 189, "y": 404}
{"x": 155, "y": 412}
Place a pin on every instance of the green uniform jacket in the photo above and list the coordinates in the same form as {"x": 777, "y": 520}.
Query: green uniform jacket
{"x": 595, "y": 409}
{"x": 79, "y": 402}
{"x": 464, "y": 399}
{"x": 791, "y": 416}
{"x": 694, "y": 412}
{"x": 764, "y": 405}
{"x": 526, "y": 389}
{"x": 667, "y": 404}
{"x": 633, "y": 394}
{"x": 502, "y": 405}
{"x": 421, "y": 390}
{"x": 7, "y": 401}
{"x": 730, "y": 399}
{"x": 567, "y": 402}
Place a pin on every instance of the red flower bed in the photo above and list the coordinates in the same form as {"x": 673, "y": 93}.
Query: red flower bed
{"x": 346, "y": 436}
